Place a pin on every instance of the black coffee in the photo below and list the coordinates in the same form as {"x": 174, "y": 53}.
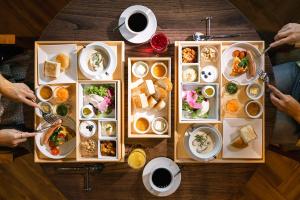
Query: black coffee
{"x": 161, "y": 178}
{"x": 137, "y": 22}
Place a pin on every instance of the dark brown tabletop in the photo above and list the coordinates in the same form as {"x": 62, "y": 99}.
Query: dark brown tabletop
{"x": 95, "y": 20}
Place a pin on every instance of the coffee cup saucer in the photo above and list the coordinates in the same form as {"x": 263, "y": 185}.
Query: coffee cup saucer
{"x": 137, "y": 37}
{"x": 161, "y": 162}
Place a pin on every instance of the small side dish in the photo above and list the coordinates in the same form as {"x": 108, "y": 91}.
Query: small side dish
{"x": 159, "y": 125}
{"x": 231, "y": 88}
{"x": 88, "y": 147}
{"x": 189, "y": 55}
{"x": 87, "y": 128}
{"x": 44, "y": 93}
{"x": 142, "y": 125}
{"x": 108, "y": 148}
{"x": 64, "y": 61}
{"x": 254, "y": 91}
{"x": 159, "y": 70}
{"x": 62, "y": 109}
{"x": 61, "y": 94}
{"x": 87, "y": 111}
{"x": 189, "y": 74}
{"x": 247, "y": 135}
{"x": 208, "y": 91}
{"x": 209, "y": 54}
{"x": 194, "y": 102}
{"x": 232, "y": 106}
{"x": 209, "y": 74}
{"x": 253, "y": 109}
{"x": 96, "y": 60}
{"x": 140, "y": 69}
{"x": 51, "y": 69}
{"x": 45, "y": 107}
{"x": 108, "y": 129}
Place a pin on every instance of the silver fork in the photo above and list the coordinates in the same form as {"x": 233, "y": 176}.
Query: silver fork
{"x": 50, "y": 117}
{"x": 263, "y": 75}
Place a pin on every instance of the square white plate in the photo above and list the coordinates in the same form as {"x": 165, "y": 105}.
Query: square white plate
{"x": 49, "y": 52}
{"x": 231, "y": 128}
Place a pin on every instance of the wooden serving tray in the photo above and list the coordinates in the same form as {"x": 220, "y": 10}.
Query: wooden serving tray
{"x": 117, "y": 79}
{"x": 166, "y": 112}
{"x": 180, "y": 154}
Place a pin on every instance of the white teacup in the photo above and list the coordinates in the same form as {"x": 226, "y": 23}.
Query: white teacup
{"x": 165, "y": 186}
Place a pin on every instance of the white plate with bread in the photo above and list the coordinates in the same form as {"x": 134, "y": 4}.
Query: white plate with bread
{"x": 57, "y": 64}
{"x": 242, "y": 138}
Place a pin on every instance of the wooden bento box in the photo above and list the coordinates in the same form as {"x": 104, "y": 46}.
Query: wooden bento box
{"x": 219, "y": 109}
{"x": 93, "y": 107}
{"x": 149, "y": 97}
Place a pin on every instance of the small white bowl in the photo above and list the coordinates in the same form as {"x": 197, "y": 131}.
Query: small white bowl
{"x": 93, "y": 131}
{"x": 208, "y": 87}
{"x": 38, "y": 111}
{"x": 92, "y": 114}
{"x": 138, "y": 130}
{"x": 162, "y": 119}
{"x": 134, "y": 69}
{"x": 261, "y": 91}
{"x": 260, "y": 112}
{"x": 38, "y": 90}
{"x": 164, "y": 66}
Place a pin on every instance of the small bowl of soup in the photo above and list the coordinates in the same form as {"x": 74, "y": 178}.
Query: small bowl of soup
{"x": 159, "y": 70}
{"x": 254, "y": 109}
{"x": 44, "y": 93}
{"x": 142, "y": 125}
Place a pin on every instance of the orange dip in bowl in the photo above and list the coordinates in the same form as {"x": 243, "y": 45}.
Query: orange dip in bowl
{"x": 142, "y": 124}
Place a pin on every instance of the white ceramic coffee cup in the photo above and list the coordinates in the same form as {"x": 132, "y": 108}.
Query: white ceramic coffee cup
{"x": 158, "y": 189}
{"x": 146, "y": 14}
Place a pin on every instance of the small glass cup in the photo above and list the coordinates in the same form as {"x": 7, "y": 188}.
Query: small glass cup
{"x": 137, "y": 159}
{"x": 159, "y": 42}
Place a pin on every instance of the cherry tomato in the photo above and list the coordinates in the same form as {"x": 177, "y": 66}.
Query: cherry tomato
{"x": 51, "y": 144}
{"x": 55, "y": 151}
{"x": 61, "y": 135}
{"x": 242, "y": 54}
{"x": 236, "y": 53}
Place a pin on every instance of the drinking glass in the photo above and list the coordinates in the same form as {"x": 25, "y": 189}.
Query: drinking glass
{"x": 159, "y": 42}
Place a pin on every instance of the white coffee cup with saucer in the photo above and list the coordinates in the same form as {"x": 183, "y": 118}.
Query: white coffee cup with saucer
{"x": 167, "y": 166}
{"x": 139, "y": 36}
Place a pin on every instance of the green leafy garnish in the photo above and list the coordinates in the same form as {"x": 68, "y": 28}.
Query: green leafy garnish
{"x": 244, "y": 62}
{"x": 186, "y": 106}
{"x": 101, "y": 90}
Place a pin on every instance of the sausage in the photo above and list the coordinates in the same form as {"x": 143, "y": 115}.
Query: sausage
{"x": 50, "y": 131}
{"x": 252, "y": 64}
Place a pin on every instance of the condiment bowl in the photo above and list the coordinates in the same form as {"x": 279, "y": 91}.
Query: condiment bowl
{"x": 135, "y": 68}
{"x": 153, "y": 124}
{"x": 137, "y": 129}
{"x": 153, "y": 73}
{"x": 38, "y": 93}
{"x": 260, "y": 111}
{"x": 259, "y": 95}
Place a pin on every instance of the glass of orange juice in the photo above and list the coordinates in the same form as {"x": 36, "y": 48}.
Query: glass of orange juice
{"x": 137, "y": 158}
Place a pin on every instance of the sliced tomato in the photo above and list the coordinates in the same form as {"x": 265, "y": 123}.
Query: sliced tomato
{"x": 55, "y": 151}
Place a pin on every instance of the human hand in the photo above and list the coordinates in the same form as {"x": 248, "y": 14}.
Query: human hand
{"x": 18, "y": 92}
{"x": 12, "y": 138}
{"x": 285, "y": 103}
{"x": 288, "y": 34}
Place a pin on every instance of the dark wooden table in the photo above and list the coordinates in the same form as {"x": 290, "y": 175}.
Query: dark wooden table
{"x": 94, "y": 20}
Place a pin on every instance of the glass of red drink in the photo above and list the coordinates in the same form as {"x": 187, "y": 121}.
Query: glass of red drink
{"x": 159, "y": 42}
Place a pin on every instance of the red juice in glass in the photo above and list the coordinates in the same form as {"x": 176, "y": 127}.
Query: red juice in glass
{"x": 159, "y": 42}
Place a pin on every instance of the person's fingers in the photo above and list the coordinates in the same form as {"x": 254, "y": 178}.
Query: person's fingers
{"x": 276, "y": 102}
{"x": 284, "y": 28}
{"x": 280, "y": 42}
{"x": 28, "y": 135}
{"x": 30, "y": 103}
{"x": 276, "y": 92}
{"x": 282, "y": 35}
{"x": 31, "y": 96}
{"x": 21, "y": 140}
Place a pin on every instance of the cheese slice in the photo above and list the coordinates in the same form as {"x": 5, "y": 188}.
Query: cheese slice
{"x": 51, "y": 69}
{"x": 136, "y": 84}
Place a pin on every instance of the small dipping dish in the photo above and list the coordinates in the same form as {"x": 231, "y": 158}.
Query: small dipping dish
{"x": 254, "y": 91}
{"x": 140, "y": 69}
{"x": 159, "y": 70}
{"x": 87, "y": 128}
{"x": 254, "y": 109}
{"x": 159, "y": 125}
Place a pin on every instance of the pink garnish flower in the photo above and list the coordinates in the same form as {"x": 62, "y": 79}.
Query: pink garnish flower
{"x": 103, "y": 106}
{"x": 191, "y": 98}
